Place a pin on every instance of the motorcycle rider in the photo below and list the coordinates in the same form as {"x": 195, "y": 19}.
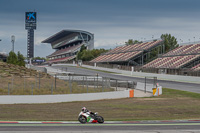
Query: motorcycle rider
{"x": 84, "y": 110}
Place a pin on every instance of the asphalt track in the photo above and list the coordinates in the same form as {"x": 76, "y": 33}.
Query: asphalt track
{"x": 139, "y": 127}
{"x": 192, "y": 87}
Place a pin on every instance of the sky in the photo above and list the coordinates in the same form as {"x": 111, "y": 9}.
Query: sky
{"x": 112, "y": 22}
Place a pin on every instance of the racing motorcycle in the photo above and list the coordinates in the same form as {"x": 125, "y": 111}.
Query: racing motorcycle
{"x": 92, "y": 118}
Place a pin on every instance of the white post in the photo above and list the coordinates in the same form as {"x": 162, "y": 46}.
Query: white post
{"x": 30, "y": 61}
{"x": 95, "y": 64}
{"x": 29, "y": 65}
{"x": 132, "y": 70}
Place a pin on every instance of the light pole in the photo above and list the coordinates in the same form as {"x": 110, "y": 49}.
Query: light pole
{"x": 13, "y": 41}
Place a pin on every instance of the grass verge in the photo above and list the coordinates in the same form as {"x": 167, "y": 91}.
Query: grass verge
{"x": 43, "y": 86}
{"x": 173, "y": 104}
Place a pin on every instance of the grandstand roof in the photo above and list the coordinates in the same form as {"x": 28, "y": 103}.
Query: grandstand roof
{"x": 64, "y": 33}
{"x": 3, "y": 54}
{"x": 124, "y": 53}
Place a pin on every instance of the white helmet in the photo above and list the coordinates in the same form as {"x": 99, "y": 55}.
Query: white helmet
{"x": 83, "y": 109}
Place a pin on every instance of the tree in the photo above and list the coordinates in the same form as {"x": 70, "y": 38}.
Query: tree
{"x": 80, "y": 53}
{"x": 16, "y": 59}
{"x": 39, "y": 58}
{"x": 21, "y": 58}
{"x": 131, "y": 42}
{"x": 12, "y": 58}
{"x": 169, "y": 41}
{"x": 87, "y": 55}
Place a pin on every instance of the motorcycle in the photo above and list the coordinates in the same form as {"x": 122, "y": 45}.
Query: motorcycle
{"x": 91, "y": 118}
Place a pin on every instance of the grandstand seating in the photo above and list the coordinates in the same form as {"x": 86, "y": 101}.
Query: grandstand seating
{"x": 185, "y": 49}
{"x": 196, "y": 68}
{"x": 176, "y": 58}
{"x": 61, "y": 59}
{"x": 124, "y": 53}
{"x": 116, "y": 57}
{"x": 66, "y": 50}
{"x": 171, "y": 62}
{"x": 134, "y": 47}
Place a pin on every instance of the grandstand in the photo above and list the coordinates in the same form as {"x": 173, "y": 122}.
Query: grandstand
{"x": 185, "y": 56}
{"x": 3, "y": 56}
{"x": 67, "y": 43}
{"x": 129, "y": 55}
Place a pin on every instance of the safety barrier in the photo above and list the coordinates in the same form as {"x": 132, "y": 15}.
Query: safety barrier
{"x": 155, "y": 90}
{"x": 22, "y": 99}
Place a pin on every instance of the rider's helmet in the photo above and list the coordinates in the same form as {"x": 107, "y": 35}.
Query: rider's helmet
{"x": 83, "y": 109}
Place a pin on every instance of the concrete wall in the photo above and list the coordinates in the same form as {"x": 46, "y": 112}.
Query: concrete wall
{"x": 29, "y": 99}
{"x": 141, "y": 86}
{"x": 149, "y": 88}
{"x": 12, "y": 99}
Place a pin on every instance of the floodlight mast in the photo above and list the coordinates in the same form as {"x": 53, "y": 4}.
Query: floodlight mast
{"x": 13, "y": 41}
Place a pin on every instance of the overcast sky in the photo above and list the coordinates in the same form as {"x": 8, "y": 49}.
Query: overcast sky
{"x": 111, "y": 21}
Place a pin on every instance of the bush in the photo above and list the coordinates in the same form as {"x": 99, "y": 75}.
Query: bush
{"x": 16, "y": 59}
{"x": 87, "y": 55}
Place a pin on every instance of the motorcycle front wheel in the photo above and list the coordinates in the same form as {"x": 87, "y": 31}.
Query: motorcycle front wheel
{"x": 82, "y": 119}
{"x": 100, "y": 119}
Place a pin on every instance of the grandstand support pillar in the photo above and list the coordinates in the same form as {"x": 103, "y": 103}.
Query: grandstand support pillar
{"x": 146, "y": 56}
{"x": 149, "y": 54}
{"x": 142, "y": 58}
{"x": 163, "y": 48}
{"x": 82, "y": 37}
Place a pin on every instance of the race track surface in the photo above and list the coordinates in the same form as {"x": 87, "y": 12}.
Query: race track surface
{"x": 192, "y": 87}
{"x": 117, "y": 127}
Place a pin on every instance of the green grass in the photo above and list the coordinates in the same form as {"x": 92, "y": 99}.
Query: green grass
{"x": 179, "y": 93}
{"x": 173, "y": 104}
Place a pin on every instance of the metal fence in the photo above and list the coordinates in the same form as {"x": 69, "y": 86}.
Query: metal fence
{"x": 60, "y": 84}
{"x": 99, "y": 82}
